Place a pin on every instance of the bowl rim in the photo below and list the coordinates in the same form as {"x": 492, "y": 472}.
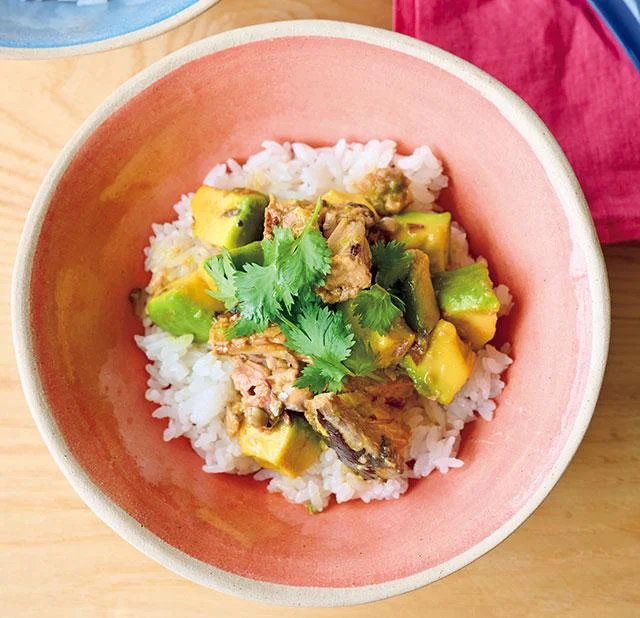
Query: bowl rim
{"x": 565, "y": 185}
{"x": 110, "y": 43}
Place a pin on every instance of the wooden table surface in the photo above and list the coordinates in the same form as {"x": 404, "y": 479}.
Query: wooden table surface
{"x": 574, "y": 557}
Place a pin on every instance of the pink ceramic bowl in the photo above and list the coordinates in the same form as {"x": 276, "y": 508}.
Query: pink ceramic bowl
{"x": 153, "y": 140}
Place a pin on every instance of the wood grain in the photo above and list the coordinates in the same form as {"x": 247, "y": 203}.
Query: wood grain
{"x": 574, "y": 557}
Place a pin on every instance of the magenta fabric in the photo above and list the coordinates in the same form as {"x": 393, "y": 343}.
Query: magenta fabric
{"x": 566, "y": 64}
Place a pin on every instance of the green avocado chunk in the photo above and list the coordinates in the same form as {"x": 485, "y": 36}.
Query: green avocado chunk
{"x": 388, "y": 349}
{"x": 228, "y": 218}
{"x": 440, "y": 371}
{"x": 428, "y": 231}
{"x": 184, "y": 308}
{"x": 289, "y": 447}
{"x": 421, "y": 310}
{"x": 247, "y": 254}
{"x": 467, "y": 300}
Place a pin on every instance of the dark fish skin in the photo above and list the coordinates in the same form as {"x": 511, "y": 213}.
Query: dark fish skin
{"x": 362, "y": 463}
{"x": 358, "y": 461}
{"x": 366, "y": 431}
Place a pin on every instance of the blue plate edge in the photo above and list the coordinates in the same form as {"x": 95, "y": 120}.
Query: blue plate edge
{"x": 623, "y": 25}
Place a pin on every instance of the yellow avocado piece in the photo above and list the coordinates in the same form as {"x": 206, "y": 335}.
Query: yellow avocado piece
{"x": 428, "y": 231}
{"x": 476, "y": 328}
{"x": 339, "y": 198}
{"x": 228, "y": 218}
{"x": 390, "y": 347}
{"x": 468, "y": 301}
{"x": 393, "y": 345}
{"x": 210, "y": 284}
{"x": 184, "y": 307}
{"x": 289, "y": 447}
{"x": 445, "y": 366}
{"x": 194, "y": 286}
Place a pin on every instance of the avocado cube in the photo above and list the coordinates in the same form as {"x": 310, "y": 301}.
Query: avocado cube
{"x": 247, "y": 254}
{"x": 445, "y": 366}
{"x": 477, "y": 329}
{"x": 184, "y": 307}
{"x": 289, "y": 447}
{"x": 428, "y": 231}
{"x": 421, "y": 310}
{"x": 228, "y": 218}
{"x": 393, "y": 345}
{"x": 468, "y": 301}
{"x": 389, "y": 347}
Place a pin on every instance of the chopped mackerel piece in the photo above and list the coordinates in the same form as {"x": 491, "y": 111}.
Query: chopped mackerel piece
{"x": 367, "y": 432}
{"x": 387, "y": 190}
{"x": 351, "y": 211}
{"x": 264, "y": 374}
{"x": 292, "y": 214}
{"x": 351, "y": 261}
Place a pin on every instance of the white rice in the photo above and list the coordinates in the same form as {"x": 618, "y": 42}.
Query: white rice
{"x": 192, "y": 387}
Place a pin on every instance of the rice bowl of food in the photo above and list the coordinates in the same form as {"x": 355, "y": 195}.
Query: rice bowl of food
{"x": 320, "y": 325}
{"x": 325, "y": 369}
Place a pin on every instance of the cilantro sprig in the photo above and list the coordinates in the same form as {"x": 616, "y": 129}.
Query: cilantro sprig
{"x": 323, "y": 335}
{"x": 281, "y": 290}
{"x": 377, "y": 308}
{"x": 293, "y": 267}
{"x": 391, "y": 261}
{"x": 363, "y": 360}
{"x": 222, "y": 270}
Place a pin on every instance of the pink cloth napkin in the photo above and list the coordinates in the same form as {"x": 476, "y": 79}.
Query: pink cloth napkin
{"x": 565, "y": 63}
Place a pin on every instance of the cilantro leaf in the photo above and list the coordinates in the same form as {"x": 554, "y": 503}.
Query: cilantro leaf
{"x": 392, "y": 262}
{"x": 363, "y": 361}
{"x": 269, "y": 249}
{"x": 321, "y": 334}
{"x": 319, "y": 378}
{"x": 245, "y": 328}
{"x": 221, "y": 269}
{"x": 281, "y": 245}
{"x": 303, "y": 262}
{"x": 376, "y": 308}
{"x": 279, "y": 254}
{"x": 319, "y": 331}
{"x": 257, "y": 288}
{"x": 309, "y": 263}
{"x": 292, "y": 269}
